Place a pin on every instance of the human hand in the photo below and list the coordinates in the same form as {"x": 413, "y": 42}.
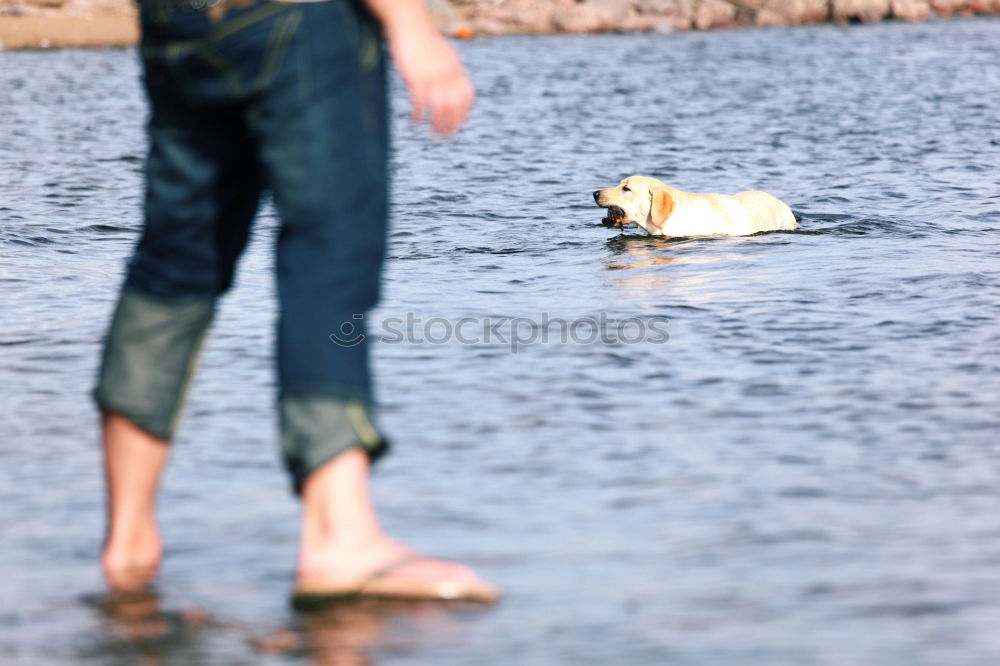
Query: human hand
{"x": 440, "y": 89}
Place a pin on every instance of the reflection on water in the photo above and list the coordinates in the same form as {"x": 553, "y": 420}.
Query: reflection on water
{"x": 643, "y": 259}
{"x": 137, "y": 628}
{"x": 133, "y": 627}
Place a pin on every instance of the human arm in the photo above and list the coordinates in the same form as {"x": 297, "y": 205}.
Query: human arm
{"x": 440, "y": 89}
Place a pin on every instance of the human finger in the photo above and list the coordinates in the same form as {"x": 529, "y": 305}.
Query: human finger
{"x": 418, "y": 102}
{"x": 452, "y": 105}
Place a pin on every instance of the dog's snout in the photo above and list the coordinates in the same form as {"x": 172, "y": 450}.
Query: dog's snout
{"x": 597, "y": 195}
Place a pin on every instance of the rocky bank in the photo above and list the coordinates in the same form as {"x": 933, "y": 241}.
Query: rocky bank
{"x": 53, "y": 23}
{"x": 493, "y": 17}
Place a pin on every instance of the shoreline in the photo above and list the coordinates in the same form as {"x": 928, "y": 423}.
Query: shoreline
{"x": 68, "y": 32}
{"x": 57, "y": 24}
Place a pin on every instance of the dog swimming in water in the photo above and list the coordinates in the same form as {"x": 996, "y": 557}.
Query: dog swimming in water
{"x": 661, "y": 210}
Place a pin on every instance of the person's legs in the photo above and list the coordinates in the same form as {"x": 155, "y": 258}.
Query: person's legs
{"x": 324, "y": 139}
{"x": 203, "y": 184}
{"x": 133, "y": 463}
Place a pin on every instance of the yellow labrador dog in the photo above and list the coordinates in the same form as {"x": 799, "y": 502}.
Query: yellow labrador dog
{"x": 662, "y": 210}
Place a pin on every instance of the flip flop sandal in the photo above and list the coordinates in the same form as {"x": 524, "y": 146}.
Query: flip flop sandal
{"x": 382, "y": 585}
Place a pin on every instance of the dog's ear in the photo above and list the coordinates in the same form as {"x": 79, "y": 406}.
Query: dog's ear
{"x": 663, "y": 206}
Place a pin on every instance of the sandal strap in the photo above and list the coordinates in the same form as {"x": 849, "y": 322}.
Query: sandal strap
{"x": 388, "y": 569}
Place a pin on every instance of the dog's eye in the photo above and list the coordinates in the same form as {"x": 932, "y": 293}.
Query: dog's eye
{"x": 625, "y": 188}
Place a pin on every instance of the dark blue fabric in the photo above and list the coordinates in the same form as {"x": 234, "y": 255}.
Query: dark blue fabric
{"x": 284, "y": 97}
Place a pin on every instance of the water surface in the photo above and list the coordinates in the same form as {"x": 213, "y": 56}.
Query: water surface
{"x": 806, "y": 472}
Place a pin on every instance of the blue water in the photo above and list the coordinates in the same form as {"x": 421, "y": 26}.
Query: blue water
{"x": 804, "y": 470}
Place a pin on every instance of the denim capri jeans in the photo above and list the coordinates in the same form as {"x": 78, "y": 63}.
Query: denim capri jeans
{"x": 246, "y": 98}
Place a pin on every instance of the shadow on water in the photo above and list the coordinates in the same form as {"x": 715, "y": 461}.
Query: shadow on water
{"x": 137, "y": 627}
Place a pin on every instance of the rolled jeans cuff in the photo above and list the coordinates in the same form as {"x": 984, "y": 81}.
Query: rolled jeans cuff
{"x": 150, "y": 356}
{"x": 317, "y": 428}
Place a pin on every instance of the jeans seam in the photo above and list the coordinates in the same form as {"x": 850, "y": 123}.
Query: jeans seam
{"x": 278, "y": 41}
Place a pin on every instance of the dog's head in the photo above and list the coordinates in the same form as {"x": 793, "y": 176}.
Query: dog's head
{"x": 636, "y": 200}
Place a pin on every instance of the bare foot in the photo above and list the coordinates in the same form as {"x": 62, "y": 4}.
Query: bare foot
{"x": 345, "y": 565}
{"x": 132, "y": 563}
{"x": 343, "y": 549}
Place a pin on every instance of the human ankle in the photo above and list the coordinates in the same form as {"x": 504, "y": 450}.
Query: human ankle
{"x": 346, "y": 539}
{"x": 336, "y": 504}
{"x": 138, "y": 547}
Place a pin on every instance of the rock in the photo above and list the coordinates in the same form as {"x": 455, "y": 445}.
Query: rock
{"x": 444, "y": 15}
{"x": 507, "y": 16}
{"x": 662, "y": 6}
{"x": 675, "y": 13}
{"x": 592, "y": 16}
{"x": 710, "y": 14}
{"x": 489, "y": 26}
{"x": 793, "y": 12}
{"x": 45, "y": 4}
{"x": 650, "y": 23}
{"x": 65, "y": 30}
{"x": 950, "y": 7}
{"x": 751, "y": 6}
{"x": 865, "y": 11}
{"x": 582, "y": 18}
{"x": 496, "y": 17}
{"x": 910, "y": 10}
{"x": 617, "y": 8}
